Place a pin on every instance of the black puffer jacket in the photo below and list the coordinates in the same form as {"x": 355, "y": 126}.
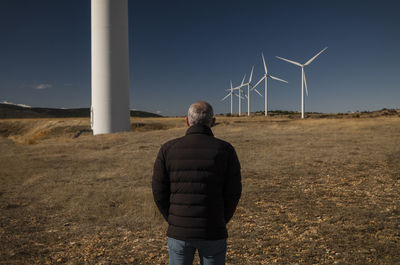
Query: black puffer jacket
{"x": 197, "y": 185}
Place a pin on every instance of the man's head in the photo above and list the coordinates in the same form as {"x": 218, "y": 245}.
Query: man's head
{"x": 200, "y": 113}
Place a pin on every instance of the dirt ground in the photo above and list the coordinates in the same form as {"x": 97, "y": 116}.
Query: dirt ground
{"x": 315, "y": 191}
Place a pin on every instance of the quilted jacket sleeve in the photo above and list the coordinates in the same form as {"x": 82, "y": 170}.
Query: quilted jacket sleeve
{"x": 232, "y": 185}
{"x": 161, "y": 185}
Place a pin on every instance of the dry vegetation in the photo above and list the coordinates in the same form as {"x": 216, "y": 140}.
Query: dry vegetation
{"x": 315, "y": 191}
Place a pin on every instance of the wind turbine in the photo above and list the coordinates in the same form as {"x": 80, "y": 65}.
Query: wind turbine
{"x": 248, "y": 90}
{"x": 231, "y": 94}
{"x": 265, "y": 78}
{"x": 303, "y": 76}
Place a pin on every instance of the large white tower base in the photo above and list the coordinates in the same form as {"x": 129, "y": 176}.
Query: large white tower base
{"x": 110, "y": 66}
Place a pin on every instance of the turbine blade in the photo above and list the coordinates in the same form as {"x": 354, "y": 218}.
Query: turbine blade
{"x": 276, "y": 78}
{"x": 312, "y": 59}
{"x": 262, "y": 78}
{"x": 238, "y": 96}
{"x": 226, "y": 97}
{"x": 231, "y": 84}
{"x": 238, "y": 87}
{"x": 244, "y": 77}
{"x": 305, "y": 82}
{"x": 289, "y": 61}
{"x": 251, "y": 74}
{"x": 265, "y": 65}
{"x": 258, "y": 92}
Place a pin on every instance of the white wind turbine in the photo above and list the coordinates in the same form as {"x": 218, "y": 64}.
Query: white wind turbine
{"x": 231, "y": 94}
{"x": 265, "y": 78}
{"x": 303, "y": 77}
{"x": 248, "y": 90}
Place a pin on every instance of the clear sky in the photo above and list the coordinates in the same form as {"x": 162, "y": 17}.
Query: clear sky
{"x": 183, "y": 51}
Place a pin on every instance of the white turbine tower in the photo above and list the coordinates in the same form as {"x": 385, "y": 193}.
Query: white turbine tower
{"x": 248, "y": 91}
{"x": 265, "y": 78}
{"x": 240, "y": 97}
{"x": 110, "y": 66}
{"x": 303, "y": 76}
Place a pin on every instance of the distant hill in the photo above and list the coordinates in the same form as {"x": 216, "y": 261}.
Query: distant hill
{"x": 143, "y": 114}
{"x": 10, "y": 111}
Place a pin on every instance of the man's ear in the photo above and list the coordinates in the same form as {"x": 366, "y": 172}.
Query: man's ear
{"x": 187, "y": 121}
{"x": 213, "y": 122}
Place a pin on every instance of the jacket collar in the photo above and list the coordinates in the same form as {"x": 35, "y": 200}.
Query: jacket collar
{"x": 199, "y": 129}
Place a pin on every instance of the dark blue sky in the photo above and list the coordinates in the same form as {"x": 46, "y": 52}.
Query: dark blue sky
{"x": 182, "y": 51}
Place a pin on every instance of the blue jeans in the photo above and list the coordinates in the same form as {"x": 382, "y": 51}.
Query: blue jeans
{"x": 211, "y": 252}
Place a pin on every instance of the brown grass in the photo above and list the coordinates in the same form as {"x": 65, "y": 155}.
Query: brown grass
{"x": 315, "y": 191}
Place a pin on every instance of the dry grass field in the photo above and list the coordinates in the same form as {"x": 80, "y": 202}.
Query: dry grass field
{"x": 315, "y": 191}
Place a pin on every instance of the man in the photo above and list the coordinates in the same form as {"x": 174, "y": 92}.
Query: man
{"x": 197, "y": 186}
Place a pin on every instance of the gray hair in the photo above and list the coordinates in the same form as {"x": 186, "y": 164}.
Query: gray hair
{"x": 200, "y": 113}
